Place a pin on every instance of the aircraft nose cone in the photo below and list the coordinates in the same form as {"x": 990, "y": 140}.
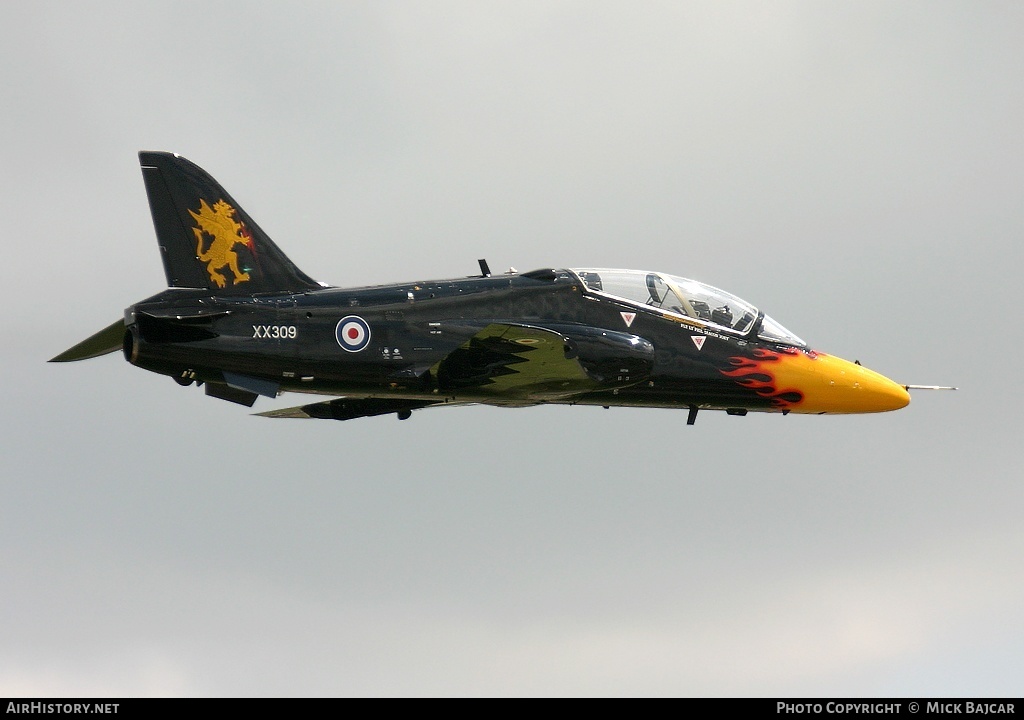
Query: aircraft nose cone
{"x": 815, "y": 382}
{"x": 877, "y": 392}
{"x": 853, "y": 388}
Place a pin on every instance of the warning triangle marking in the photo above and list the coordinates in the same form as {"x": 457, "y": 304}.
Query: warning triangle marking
{"x": 698, "y": 340}
{"x": 628, "y": 318}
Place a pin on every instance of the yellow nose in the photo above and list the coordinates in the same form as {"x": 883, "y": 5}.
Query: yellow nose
{"x": 834, "y": 385}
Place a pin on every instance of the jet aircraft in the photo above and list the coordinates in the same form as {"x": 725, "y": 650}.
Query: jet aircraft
{"x": 241, "y": 320}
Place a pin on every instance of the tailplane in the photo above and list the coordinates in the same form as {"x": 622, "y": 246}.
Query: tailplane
{"x": 206, "y": 239}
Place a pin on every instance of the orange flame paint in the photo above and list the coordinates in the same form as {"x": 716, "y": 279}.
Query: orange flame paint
{"x": 758, "y": 373}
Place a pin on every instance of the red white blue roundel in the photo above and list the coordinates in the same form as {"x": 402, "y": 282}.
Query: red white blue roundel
{"x": 353, "y": 333}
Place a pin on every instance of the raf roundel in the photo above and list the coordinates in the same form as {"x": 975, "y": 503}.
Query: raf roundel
{"x": 353, "y": 333}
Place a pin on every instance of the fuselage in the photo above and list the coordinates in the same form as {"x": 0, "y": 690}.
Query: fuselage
{"x": 240, "y": 318}
{"x": 392, "y": 341}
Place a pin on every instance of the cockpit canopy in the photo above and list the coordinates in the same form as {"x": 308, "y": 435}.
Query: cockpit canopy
{"x": 688, "y": 298}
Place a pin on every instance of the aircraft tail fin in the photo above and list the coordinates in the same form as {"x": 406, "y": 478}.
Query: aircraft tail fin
{"x": 206, "y": 239}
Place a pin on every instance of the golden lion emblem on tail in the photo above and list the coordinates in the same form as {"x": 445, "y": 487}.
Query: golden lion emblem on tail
{"x": 219, "y": 223}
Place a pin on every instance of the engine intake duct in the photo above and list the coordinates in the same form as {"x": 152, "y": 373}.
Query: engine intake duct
{"x": 606, "y": 355}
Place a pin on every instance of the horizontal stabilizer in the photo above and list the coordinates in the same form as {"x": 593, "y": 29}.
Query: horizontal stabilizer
{"x": 107, "y": 340}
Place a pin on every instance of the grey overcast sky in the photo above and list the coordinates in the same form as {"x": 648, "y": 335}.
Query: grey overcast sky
{"x": 853, "y": 168}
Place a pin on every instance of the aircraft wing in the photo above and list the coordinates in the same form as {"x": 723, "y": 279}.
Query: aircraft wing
{"x": 514, "y": 364}
{"x": 509, "y": 364}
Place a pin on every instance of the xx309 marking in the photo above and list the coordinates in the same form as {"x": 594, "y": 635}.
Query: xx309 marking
{"x": 286, "y": 332}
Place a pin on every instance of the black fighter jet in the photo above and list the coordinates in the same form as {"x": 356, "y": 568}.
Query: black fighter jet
{"x": 241, "y": 320}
